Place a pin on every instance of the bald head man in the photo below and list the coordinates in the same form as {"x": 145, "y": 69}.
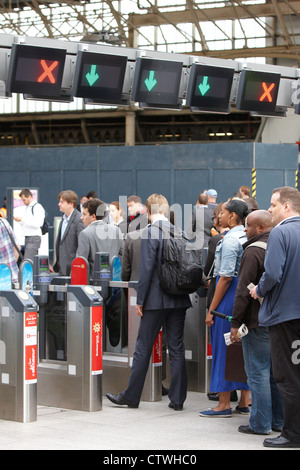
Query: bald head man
{"x": 258, "y": 222}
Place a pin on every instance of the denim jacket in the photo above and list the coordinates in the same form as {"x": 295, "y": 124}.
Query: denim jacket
{"x": 229, "y": 252}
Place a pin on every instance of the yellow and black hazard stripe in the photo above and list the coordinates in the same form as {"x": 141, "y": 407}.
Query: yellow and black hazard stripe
{"x": 254, "y": 183}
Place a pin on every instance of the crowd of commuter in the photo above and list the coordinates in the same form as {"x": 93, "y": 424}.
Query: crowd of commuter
{"x": 251, "y": 274}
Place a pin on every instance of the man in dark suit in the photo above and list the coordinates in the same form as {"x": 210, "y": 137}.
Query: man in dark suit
{"x": 137, "y": 216}
{"x": 131, "y": 256}
{"x": 155, "y": 307}
{"x": 68, "y": 232}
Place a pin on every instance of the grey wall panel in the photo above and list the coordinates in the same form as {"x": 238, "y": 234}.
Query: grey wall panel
{"x": 153, "y": 181}
{"x": 275, "y": 156}
{"x": 115, "y": 183}
{"x": 178, "y": 171}
{"x": 49, "y": 184}
{"x": 12, "y": 179}
{"x": 189, "y": 183}
{"x": 214, "y": 155}
{"x": 83, "y": 180}
{"x": 228, "y": 181}
{"x": 266, "y": 181}
{"x": 275, "y": 166}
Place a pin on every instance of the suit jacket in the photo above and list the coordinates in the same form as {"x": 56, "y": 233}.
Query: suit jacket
{"x": 202, "y": 222}
{"x": 149, "y": 292}
{"x": 100, "y": 237}
{"x": 138, "y": 222}
{"x": 131, "y": 256}
{"x": 66, "y": 247}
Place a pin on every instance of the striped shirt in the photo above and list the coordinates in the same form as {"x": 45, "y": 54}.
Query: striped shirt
{"x": 6, "y": 249}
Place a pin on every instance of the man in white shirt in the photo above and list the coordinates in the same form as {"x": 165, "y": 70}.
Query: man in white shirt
{"x": 31, "y": 220}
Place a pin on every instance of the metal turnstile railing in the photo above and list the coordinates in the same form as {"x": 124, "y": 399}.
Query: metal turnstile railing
{"x": 197, "y": 346}
{"x": 18, "y": 356}
{"x": 70, "y": 373}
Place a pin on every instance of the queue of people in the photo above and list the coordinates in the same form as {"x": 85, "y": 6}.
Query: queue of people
{"x": 251, "y": 274}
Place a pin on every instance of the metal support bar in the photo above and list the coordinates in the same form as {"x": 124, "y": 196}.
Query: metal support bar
{"x": 18, "y": 356}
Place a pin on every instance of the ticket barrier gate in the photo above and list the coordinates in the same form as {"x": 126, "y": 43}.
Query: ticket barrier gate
{"x": 197, "y": 341}
{"x": 120, "y": 332}
{"x": 18, "y": 356}
{"x": 197, "y": 345}
{"x": 70, "y": 338}
{"x": 117, "y": 365}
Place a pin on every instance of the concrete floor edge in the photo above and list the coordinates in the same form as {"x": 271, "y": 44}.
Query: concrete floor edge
{"x": 153, "y": 426}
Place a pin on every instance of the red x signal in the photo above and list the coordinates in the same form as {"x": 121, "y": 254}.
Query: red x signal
{"x": 47, "y": 71}
{"x": 267, "y": 92}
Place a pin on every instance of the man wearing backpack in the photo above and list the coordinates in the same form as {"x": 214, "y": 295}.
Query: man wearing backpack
{"x": 156, "y": 307}
{"x": 32, "y": 220}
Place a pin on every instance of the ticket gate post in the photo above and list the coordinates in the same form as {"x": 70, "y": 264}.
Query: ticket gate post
{"x": 197, "y": 346}
{"x": 41, "y": 281}
{"x": 70, "y": 340}
{"x": 197, "y": 341}
{"x": 72, "y": 379}
{"x": 153, "y": 383}
{"x": 18, "y": 356}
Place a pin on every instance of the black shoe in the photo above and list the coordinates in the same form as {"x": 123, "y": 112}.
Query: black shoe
{"x": 175, "y": 407}
{"x": 119, "y": 400}
{"x": 164, "y": 391}
{"x": 280, "y": 442}
{"x": 248, "y": 430}
{"x": 213, "y": 396}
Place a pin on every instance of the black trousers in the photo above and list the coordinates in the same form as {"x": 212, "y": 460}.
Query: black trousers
{"x": 150, "y": 324}
{"x": 285, "y": 353}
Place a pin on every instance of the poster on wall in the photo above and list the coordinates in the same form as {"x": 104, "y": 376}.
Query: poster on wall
{"x": 16, "y": 208}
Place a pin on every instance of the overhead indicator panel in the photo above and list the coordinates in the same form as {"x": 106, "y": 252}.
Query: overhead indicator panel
{"x": 99, "y": 77}
{"x": 36, "y": 71}
{"x": 157, "y": 82}
{"x": 209, "y": 88}
{"x": 258, "y": 91}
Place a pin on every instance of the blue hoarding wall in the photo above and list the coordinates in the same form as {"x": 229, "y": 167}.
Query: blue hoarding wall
{"x": 180, "y": 172}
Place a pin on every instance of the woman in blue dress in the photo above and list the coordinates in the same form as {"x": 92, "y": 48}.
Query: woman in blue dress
{"x": 227, "y": 262}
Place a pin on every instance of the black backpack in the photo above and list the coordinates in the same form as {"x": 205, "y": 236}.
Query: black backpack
{"x": 45, "y": 226}
{"x": 180, "y": 271}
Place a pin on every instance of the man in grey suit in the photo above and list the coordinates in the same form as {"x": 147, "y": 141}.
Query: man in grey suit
{"x": 67, "y": 238}
{"x": 98, "y": 236}
{"x": 155, "y": 307}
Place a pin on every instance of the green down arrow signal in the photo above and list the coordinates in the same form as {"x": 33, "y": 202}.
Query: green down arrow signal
{"x": 150, "y": 82}
{"x": 92, "y": 76}
{"x": 204, "y": 86}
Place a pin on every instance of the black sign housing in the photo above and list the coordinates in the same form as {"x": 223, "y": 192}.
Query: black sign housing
{"x": 36, "y": 71}
{"x": 156, "y": 82}
{"x": 99, "y": 77}
{"x": 209, "y": 88}
{"x": 258, "y": 91}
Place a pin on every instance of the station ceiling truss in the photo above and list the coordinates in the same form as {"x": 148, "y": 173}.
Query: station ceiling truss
{"x": 107, "y": 22}
{"x": 115, "y": 23}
